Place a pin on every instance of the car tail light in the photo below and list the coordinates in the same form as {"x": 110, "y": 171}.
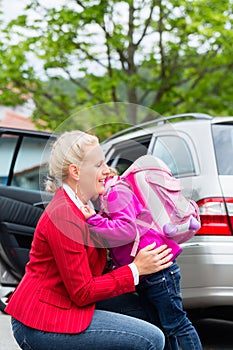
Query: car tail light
{"x": 216, "y": 216}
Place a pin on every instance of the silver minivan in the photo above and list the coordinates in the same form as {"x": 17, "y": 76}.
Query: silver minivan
{"x": 199, "y": 151}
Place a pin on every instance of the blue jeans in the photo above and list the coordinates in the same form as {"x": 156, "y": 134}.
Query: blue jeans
{"x": 162, "y": 290}
{"x": 132, "y": 304}
{"x": 108, "y": 330}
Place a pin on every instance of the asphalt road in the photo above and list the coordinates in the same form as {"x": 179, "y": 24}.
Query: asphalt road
{"x": 215, "y": 334}
{"x": 7, "y": 341}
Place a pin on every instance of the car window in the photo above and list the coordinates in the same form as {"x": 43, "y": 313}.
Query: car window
{"x": 122, "y": 155}
{"x": 174, "y": 151}
{"x": 7, "y": 148}
{"x": 223, "y": 143}
{"x": 30, "y": 166}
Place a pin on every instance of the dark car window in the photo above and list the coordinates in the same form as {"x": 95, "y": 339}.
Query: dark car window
{"x": 174, "y": 151}
{"x": 31, "y": 163}
{"x": 124, "y": 154}
{"x": 223, "y": 143}
{"x": 23, "y": 160}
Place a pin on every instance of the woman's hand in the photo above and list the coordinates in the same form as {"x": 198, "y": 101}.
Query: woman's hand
{"x": 150, "y": 260}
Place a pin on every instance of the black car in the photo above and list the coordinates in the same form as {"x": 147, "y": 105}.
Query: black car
{"x": 23, "y": 155}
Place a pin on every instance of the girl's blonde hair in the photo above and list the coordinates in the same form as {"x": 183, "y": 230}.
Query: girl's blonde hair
{"x": 68, "y": 149}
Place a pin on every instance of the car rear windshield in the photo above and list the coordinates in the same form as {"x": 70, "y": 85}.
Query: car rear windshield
{"x": 223, "y": 143}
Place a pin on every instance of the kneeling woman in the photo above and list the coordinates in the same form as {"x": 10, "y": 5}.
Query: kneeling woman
{"x": 54, "y": 306}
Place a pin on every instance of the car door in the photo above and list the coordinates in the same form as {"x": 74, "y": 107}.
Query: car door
{"x": 23, "y": 156}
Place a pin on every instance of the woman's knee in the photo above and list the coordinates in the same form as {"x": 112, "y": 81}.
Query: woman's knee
{"x": 130, "y": 332}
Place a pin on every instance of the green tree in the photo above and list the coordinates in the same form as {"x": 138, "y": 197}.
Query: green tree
{"x": 170, "y": 56}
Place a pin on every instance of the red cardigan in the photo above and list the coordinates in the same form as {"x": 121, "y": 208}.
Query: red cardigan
{"x": 63, "y": 277}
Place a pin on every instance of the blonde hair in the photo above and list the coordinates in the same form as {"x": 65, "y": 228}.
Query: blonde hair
{"x": 68, "y": 149}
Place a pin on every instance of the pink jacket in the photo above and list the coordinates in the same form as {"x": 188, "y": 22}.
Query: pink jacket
{"x": 123, "y": 216}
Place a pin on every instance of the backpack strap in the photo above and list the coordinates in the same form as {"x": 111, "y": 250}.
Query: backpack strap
{"x": 135, "y": 244}
{"x": 137, "y": 238}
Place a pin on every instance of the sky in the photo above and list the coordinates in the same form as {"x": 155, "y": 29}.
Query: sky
{"x": 12, "y": 8}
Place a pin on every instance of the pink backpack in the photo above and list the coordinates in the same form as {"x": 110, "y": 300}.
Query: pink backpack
{"x": 158, "y": 190}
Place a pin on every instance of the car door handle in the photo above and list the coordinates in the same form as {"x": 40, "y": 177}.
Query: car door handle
{"x": 41, "y": 204}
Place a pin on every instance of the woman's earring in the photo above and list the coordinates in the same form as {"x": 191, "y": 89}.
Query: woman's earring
{"x": 76, "y": 190}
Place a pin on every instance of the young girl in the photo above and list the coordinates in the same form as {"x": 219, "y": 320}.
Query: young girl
{"x": 118, "y": 222}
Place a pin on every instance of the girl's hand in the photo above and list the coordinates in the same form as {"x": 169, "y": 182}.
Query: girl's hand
{"x": 87, "y": 211}
{"x": 150, "y": 260}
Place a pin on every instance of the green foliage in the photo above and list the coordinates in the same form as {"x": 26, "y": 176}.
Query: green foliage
{"x": 169, "y": 56}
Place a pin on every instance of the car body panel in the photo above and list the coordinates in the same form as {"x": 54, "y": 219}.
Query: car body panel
{"x": 206, "y": 270}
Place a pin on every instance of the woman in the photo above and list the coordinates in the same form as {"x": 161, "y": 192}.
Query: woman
{"x": 54, "y": 304}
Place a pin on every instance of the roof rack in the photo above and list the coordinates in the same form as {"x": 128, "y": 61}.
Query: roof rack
{"x": 159, "y": 121}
